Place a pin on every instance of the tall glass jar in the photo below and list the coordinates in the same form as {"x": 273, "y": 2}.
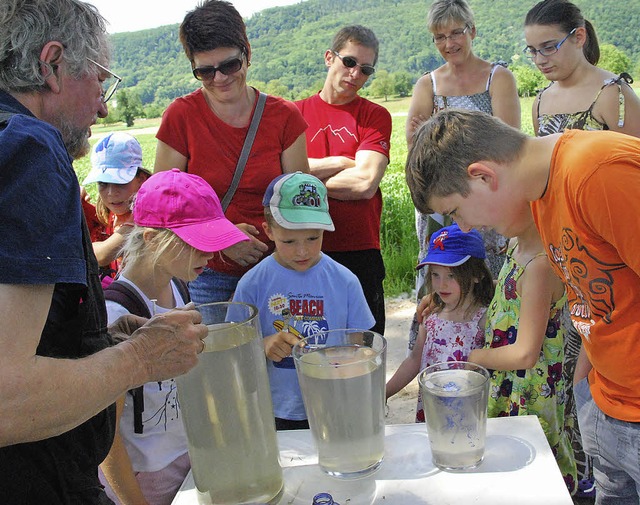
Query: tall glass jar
{"x": 227, "y": 411}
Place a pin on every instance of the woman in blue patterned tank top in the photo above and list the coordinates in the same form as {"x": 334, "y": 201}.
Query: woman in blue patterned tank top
{"x": 464, "y": 81}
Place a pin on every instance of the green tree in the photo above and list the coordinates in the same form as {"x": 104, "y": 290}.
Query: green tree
{"x": 277, "y": 88}
{"x": 528, "y": 79}
{"x": 402, "y": 82}
{"x": 128, "y": 107}
{"x": 614, "y": 59}
{"x": 382, "y": 85}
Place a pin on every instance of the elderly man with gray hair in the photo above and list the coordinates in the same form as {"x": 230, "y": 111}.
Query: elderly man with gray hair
{"x": 60, "y": 373}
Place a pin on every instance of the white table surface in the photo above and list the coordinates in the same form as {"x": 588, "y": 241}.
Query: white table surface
{"x": 518, "y": 467}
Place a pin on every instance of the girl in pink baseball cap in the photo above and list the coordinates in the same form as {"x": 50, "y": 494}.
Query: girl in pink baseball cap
{"x": 179, "y": 225}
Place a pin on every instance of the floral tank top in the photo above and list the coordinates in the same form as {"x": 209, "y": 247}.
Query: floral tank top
{"x": 582, "y": 120}
{"x": 426, "y": 224}
{"x": 449, "y": 341}
{"x": 478, "y": 101}
{"x": 539, "y": 390}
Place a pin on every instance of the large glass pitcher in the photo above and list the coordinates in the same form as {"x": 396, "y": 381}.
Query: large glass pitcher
{"x": 227, "y": 411}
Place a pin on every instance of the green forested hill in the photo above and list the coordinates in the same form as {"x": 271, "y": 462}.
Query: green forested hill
{"x": 288, "y": 42}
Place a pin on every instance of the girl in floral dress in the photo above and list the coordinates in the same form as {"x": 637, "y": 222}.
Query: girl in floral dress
{"x": 462, "y": 286}
{"x": 524, "y": 345}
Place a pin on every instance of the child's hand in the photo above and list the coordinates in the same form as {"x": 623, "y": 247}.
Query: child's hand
{"x": 278, "y": 346}
{"x": 425, "y": 307}
{"x": 84, "y": 195}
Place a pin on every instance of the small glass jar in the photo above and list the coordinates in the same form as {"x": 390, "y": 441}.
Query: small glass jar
{"x": 324, "y": 499}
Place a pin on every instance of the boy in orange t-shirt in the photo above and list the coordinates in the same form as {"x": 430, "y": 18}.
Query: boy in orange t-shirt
{"x": 582, "y": 188}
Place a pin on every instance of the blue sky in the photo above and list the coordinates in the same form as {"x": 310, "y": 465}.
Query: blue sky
{"x": 133, "y": 15}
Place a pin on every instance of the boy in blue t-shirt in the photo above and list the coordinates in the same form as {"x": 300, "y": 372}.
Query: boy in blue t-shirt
{"x": 298, "y": 290}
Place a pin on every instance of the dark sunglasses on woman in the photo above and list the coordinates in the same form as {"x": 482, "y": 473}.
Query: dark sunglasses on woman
{"x": 208, "y": 72}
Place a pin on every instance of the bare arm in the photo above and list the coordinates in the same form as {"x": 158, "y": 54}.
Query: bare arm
{"x": 167, "y": 158}
{"x": 117, "y": 467}
{"x": 420, "y": 107}
{"x": 534, "y": 115}
{"x": 294, "y": 158}
{"x": 505, "y": 102}
{"x": 538, "y": 286}
{"x": 323, "y": 168}
{"x": 409, "y": 368}
{"x": 43, "y": 397}
{"x": 583, "y": 366}
{"x": 608, "y": 106}
{"x": 109, "y": 249}
{"x": 361, "y": 181}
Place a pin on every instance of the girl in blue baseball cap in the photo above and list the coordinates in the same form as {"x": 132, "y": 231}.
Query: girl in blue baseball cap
{"x": 462, "y": 289}
{"x": 116, "y": 165}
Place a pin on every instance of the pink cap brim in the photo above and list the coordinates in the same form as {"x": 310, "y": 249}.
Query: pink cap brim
{"x": 210, "y": 236}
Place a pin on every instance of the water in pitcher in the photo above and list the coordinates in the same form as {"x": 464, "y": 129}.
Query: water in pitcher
{"x": 345, "y": 406}
{"x": 456, "y": 415}
{"x": 226, "y": 405}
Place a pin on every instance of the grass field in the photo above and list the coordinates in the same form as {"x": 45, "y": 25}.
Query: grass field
{"x": 398, "y": 236}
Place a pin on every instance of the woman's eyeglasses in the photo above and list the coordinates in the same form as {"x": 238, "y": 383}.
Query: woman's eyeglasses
{"x": 455, "y": 36}
{"x": 351, "y": 62}
{"x": 110, "y": 84}
{"x": 208, "y": 72}
{"x": 532, "y": 52}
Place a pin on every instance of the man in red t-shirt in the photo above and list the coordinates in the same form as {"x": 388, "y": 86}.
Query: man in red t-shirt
{"x": 348, "y": 142}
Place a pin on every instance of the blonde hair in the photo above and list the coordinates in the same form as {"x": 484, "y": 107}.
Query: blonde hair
{"x": 137, "y": 249}
{"x": 446, "y": 12}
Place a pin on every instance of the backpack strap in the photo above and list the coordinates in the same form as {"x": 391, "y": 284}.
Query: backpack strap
{"x": 183, "y": 289}
{"x": 123, "y": 294}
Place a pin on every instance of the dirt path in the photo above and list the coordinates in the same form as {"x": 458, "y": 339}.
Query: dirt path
{"x": 402, "y": 406}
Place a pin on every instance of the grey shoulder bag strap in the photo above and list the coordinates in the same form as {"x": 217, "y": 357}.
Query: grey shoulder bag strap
{"x": 246, "y": 149}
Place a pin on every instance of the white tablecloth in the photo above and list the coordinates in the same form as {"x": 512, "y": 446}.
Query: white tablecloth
{"x": 518, "y": 467}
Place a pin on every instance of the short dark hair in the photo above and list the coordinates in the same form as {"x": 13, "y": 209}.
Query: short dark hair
{"x": 213, "y": 24}
{"x": 444, "y": 146}
{"x": 357, "y": 34}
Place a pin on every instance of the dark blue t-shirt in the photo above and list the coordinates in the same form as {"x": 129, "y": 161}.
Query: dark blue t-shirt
{"x": 45, "y": 241}
{"x": 39, "y": 204}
